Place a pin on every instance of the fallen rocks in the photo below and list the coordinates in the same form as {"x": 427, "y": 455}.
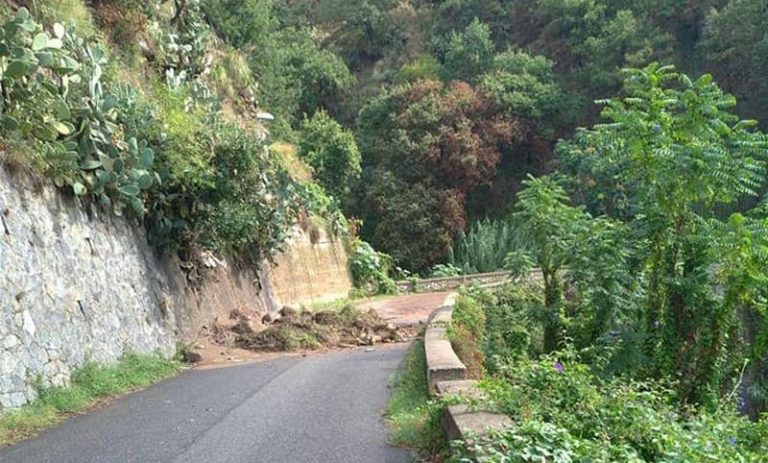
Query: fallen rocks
{"x": 294, "y": 330}
{"x": 190, "y": 355}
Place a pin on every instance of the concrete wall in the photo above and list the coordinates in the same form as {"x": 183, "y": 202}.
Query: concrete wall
{"x": 310, "y": 272}
{"x": 77, "y": 287}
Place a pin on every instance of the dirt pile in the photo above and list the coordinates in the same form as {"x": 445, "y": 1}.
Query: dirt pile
{"x": 293, "y": 331}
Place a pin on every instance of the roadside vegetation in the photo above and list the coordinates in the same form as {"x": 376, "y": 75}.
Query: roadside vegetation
{"x": 645, "y": 341}
{"x": 90, "y": 386}
{"x": 413, "y": 418}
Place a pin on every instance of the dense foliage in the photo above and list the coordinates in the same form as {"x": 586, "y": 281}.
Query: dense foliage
{"x": 679, "y": 134}
{"x": 540, "y": 61}
{"x": 487, "y": 244}
{"x": 426, "y": 139}
{"x": 332, "y": 153}
{"x": 370, "y": 269}
{"x": 651, "y": 299}
{"x": 564, "y": 412}
{"x": 161, "y": 150}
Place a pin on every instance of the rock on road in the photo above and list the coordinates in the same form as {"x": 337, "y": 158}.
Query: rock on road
{"x": 323, "y": 408}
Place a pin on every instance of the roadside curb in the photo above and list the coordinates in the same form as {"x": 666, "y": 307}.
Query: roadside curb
{"x": 442, "y": 362}
{"x": 447, "y": 376}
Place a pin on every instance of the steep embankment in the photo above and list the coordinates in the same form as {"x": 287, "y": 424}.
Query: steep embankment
{"x": 148, "y": 118}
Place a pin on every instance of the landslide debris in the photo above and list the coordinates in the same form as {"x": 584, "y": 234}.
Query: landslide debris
{"x": 294, "y": 330}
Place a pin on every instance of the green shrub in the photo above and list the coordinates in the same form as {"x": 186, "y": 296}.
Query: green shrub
{"x": 238, "y": 214}
{"x": 467, "y": 331}
{"x": 370, "y": 269}
{"x": 513, "y": 327}
{"x": 487, "y": 243}
{"x": 242, "y": 23}
{"x": 444, "y": 270}
{"x": 562, "y": 411}
{"x": 323, "y": 207}
{"x": 425, "y": 67}
{"x": 332, "y": 153}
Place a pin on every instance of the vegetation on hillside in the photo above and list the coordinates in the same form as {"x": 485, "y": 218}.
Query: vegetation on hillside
{"x": 155, "y": 115}
{"x": 448, "y": 129}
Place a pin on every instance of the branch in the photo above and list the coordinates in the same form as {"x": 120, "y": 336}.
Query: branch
{"x": 180, "y": 6}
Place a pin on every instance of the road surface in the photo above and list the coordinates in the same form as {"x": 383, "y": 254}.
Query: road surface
{"x": 323, "y": 408}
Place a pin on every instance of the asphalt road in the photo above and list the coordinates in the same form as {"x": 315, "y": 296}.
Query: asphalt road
{"x": 324, "y": 408}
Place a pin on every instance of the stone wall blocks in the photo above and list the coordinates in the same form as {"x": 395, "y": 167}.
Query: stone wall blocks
{"x": 75, "y": 288}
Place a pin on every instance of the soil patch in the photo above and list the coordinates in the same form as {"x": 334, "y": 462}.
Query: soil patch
{"x": 245, "y": 336}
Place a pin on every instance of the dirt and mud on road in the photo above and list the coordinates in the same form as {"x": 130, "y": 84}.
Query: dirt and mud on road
{"x": 248, "y": 337}
{"x": 293, "y": 331}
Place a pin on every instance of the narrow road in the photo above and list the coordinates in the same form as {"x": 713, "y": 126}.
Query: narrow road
{"x": 322, "y": 408}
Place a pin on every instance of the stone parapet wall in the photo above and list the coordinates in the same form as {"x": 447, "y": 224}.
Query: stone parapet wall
{"x": 448, "y": 283}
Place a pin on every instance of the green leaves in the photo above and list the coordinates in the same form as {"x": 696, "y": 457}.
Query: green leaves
{"x": 670, "y": 159}
{"x": 79, "y": 189}
{"x": 129, "y": 190}
{"x": 40, "y": 42}
{"x": 370, "y": 269}
{"x": 16, "y": 69}
{"x": 332, "y": 153}
{"x": 565, "y": 412}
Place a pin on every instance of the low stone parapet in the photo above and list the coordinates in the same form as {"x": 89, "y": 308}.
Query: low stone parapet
{"x": 442, "y": 362}
{"x": 448, "y": 283}
{"x": 447, "y": 376}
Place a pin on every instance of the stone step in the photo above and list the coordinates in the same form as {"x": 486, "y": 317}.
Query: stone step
{"x": 464, "y": 423}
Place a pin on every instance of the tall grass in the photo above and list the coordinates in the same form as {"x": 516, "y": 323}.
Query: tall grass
{"x": 414, "y": 419}
{"x": 486, "y": 245}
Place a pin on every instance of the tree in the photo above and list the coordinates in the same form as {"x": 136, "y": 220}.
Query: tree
{"x": 332, "y": 153}
{"x": 242, "y": 23}
{"x": 548, "y": 218}
{"x": 523, "y": 85}
{"x": 682, "y": 152}
{"x": 318, "y": 77}
{"x": 414, "y": 222}
{"x": 469, "y": 53}
{"x": 443, "y": 138}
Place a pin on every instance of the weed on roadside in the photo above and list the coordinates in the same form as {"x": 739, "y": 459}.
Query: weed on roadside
{"x": 90, "y": 384}
{"x": 413, "y": 418}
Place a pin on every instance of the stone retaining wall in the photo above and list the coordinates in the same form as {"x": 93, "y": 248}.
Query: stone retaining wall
{"x": 78, "y": 287}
